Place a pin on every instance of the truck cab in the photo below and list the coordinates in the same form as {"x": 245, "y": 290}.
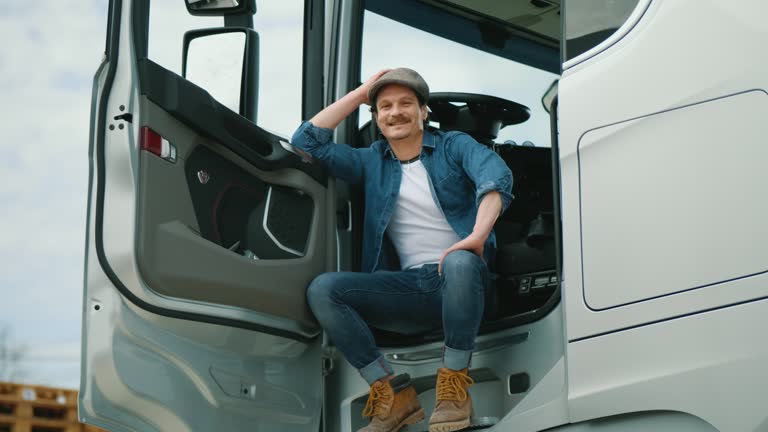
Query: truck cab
{"x": 630, "y": 281}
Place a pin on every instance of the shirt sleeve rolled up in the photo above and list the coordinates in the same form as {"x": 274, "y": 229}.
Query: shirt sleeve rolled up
{"x": 341, "y": 160}
{"x": 486, "y": 169}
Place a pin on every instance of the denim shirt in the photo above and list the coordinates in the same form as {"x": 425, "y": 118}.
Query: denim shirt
{"x": 460, "y": 170}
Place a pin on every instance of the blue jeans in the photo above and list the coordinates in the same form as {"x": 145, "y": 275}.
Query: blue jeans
{"x": 407, "y": 302}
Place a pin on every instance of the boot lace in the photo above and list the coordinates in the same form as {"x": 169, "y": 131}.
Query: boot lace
{"x": 453, "y": 386}
{"x": 379, "y": 400}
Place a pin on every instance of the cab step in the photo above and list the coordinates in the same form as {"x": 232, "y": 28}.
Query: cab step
{"x": 475, "y": 423}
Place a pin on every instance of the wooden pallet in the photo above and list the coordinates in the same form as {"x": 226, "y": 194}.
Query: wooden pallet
{"x": 28, "y": 408}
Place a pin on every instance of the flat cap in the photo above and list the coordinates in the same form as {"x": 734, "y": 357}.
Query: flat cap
{"x": 403, "y": 76}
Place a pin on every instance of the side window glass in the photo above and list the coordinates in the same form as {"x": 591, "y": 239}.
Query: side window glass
{"x": 589, "y": 22}
{"x": 280, "y": 28}
{"x": 281, "y": 45}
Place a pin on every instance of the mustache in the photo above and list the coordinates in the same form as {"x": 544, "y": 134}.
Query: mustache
{"x": 398, "y": 118}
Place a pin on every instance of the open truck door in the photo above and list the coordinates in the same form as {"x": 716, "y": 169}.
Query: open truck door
{"x": 203, "y": 233}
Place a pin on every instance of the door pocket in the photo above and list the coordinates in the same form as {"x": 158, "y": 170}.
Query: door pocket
{"x": 242, "y": 213}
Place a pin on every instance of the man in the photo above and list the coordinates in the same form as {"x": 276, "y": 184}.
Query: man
{"x": 434, "y": 196}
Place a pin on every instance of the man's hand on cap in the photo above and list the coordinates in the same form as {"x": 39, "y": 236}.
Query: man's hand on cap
{"x": 363, "y": 89}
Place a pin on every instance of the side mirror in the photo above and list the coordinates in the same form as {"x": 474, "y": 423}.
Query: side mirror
{"x": 549, "y": 96}
{"x": 220, "y": 7}
{"x": 224, "y": 61}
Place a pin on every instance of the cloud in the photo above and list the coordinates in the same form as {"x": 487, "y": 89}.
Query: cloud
{"x": 55, "y": 364}
{"x": 16, "y": 9}
{"x": 71, "y": 80}
{"x": 49, "y": 55}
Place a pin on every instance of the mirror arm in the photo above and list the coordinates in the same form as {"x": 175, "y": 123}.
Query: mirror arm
{"x": 241, "y": 20}
{"x": 249, "y": 85}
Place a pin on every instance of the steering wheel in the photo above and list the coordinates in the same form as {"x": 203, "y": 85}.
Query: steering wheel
{"x": 481, "y": 116}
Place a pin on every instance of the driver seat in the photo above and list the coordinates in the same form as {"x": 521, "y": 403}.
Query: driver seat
{"x": 479, "y": 116}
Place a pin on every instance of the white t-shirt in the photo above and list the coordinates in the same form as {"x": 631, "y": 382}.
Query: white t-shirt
{"x": 418, "y": 229}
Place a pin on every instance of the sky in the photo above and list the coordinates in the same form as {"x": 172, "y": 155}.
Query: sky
{"x": 48, "y": 57}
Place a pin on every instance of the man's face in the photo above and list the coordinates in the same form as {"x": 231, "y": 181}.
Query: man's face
{"x": 398, "y": 113}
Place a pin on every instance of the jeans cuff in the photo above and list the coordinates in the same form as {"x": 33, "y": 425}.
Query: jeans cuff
{"x": 456, "y": 359}
{"x": 376, "y": 370}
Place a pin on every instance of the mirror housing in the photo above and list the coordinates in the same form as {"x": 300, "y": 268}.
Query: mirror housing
{"x": 220, "y": 7}
{"x": 225, "y": 62}
{"x": 549, "y": 95}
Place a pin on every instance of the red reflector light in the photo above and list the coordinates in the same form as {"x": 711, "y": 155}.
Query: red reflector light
{"x": 151, "y": 141}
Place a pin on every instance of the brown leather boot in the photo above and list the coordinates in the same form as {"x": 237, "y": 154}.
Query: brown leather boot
{"x": 391, "y": 405}
{"x": 453, "y": 406}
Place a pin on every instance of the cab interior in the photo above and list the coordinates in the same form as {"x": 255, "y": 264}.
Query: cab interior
{"x": 525, "y": 269}
{"x": 519, "y": 347}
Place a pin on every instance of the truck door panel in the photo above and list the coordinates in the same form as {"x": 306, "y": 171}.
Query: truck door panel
{"x": 197, "y": 258}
